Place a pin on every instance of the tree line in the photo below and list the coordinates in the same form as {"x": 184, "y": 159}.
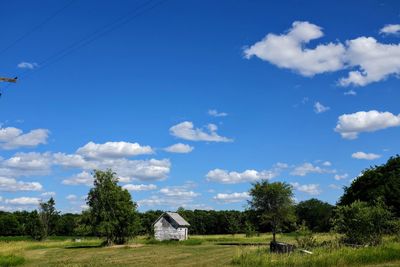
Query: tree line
{"x": 368, "y": 208}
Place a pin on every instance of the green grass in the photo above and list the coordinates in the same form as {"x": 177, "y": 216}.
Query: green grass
{"x": 11, "y": 260}
{"x": 344, "y": 256}
{"x": 197, "y": 251}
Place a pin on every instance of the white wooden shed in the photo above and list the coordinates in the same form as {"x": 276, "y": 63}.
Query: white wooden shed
{"x": 170, "y": 226}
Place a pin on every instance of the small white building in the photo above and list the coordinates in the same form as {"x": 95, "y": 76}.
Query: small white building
{"x": 170, "y": 226}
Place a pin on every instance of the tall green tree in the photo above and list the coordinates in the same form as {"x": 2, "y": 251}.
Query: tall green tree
{"x": 48, "y": 216}
{"x": 112, "y": 212}
{"x": 274, "y": 204}
{"x": 315, "y": 213}
{"x": 378, "y": 182}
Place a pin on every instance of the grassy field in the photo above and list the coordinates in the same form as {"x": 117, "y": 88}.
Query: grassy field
{"x": 218, "y": 250}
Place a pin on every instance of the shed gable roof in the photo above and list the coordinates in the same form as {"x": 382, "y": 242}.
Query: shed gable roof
{"x": 176, "y": 218}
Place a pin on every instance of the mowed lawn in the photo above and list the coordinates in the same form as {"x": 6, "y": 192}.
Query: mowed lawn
{"x": 65, "y": 252}
{"x": 218, "y": 250}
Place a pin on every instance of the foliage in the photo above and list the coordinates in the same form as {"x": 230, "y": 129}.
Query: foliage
{"x": 11, "y": 260}
{"x": 315, "y": 213}
{"x": 273, "y": 202}
{"x": 304, "y": 237}
{"x": 9, "y": 225}
{"x": 250, "y": 230}
{"x": 35, "y": 227}
{"x": 48, "y": 216}
{"x": 361, "y": 223}
{"x": 377, "y": 182}
{"x": 111, "y": 210}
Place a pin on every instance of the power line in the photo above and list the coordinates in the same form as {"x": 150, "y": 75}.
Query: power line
{"x": 56, "y": 57}
{"x": 35, "y": 28}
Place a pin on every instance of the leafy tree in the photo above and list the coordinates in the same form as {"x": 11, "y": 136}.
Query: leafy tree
{"x": 35, "y": 227}
{"x": 111, "y": 209}
{"x": 67, "y": 224}
{"x": 9, "y": 225}
{"x": 362, "y": 223}
{"x": 379, "y": 182}
{"x": 274, "y": 204}
{"x": 49, "y": 216}
{"x": 315, "y": 213}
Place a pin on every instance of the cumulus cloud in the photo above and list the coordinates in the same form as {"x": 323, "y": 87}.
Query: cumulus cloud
{"x": 29, "y": 201}
{"x": 27, "y": 65}
{"x": 185, "y": 130}
{"x": 350, "y": 92}
{"x": 215, "y": 113}
{"x": 336, "y": 187}
{"x": 351, "y": 125}
{"x": 306, "y": 168}
{"x": 370, "y": 60}
{"x": 83, "y": 178}
{"x": 363, "y": 155}
{"x": 341, "y": 176}
{"x": 12, "y": 138}
{"x": 311, "y": 189}
{"x": 231, "y": 198}
{"x": 139, "y": 187}
{"x": 26, "y": 164}
{"x": 71, "y": 198}
{"x": 326, "y": 163}
{"x": 12, "y": 185}
{"x": 179, "y": 148}
{"x": 113, "y": 150}
{"x": 319, "y": 108}
{"x": 233, "y": 177}
{"x": 288, "y": 50}
{"x": 376, "y": 61}
{"x": 48, "y": 194}
{"x": 390, "y": 29}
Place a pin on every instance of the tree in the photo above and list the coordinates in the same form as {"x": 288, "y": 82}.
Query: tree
{"x": 35, "y": 227}
{"x": 111, "y": 210}
{"x": 361, "y": 223}
{"x": 274, "y": 204}
{"x": 315, "y": 213}
{"x": 49, "y": 216}
{"x": 9, "y": 225}
{"x": 379, "y": 182}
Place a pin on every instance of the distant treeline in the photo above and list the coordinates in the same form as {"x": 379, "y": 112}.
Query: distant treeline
{"x": 314, "y": 212}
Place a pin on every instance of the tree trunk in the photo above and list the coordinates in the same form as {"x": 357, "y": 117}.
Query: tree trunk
{"x": 273, "y": 236}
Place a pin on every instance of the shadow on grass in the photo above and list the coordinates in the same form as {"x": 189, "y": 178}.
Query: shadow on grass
{"x": 85, "y": 246}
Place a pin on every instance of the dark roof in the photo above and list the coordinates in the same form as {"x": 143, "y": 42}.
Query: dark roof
{"x": 178, "y": 220}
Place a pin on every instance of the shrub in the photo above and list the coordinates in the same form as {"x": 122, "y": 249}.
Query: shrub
{"x": 362, "y": 224}
{"x": 304, "y": 237}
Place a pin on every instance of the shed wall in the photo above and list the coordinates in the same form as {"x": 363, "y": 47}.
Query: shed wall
{"x": 163, "y": 230}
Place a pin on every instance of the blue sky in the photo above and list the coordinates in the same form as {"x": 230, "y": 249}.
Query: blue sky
{"x": 192, "y": 101}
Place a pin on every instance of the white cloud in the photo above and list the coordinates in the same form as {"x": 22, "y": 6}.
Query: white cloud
{"x": 350, "y": 92}
{"x": 351, "y": 125}
{"x": 71, "y": 198}
{"x": 363, "y": 155}
{"x": 23, "y": 201}
{"x": 12, "y": 185}
{"x": 311, "y": 189}
{"x": 336, "y": 187}
{"x": 390, "y": 29}
{"x": 27, "y": 65}
{"x": 341, "y": 176}
{"x": 12, "y": 138}
{"x": 288, "y": 50}
{"x": 177, "y": 191}
{"x": 139, "y": 187}
{"x": 306, "y": 168}
{"x": 231, "y": 198}
{"x": 326, "y": 163}
{"x": 179, "y": 148}
{"x": 376, "y": 61}
{"x": 215, "y": 113}
{"x": 186, "y": 130}
{"x": 48, "y": 194}
{"x": 319, "y": 108}
{"x": 83, "y": 178}
{"x": 113, "y": 150}
{"x": 226, "y": 177}
{"x": 370, "y": 60}
{"x": 26, "y": 164}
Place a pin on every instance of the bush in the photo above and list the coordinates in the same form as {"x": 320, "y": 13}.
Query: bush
{"x": 304, "y": 237}
{"x": 249, "y": 230}
{"x": 362, "y": 224}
